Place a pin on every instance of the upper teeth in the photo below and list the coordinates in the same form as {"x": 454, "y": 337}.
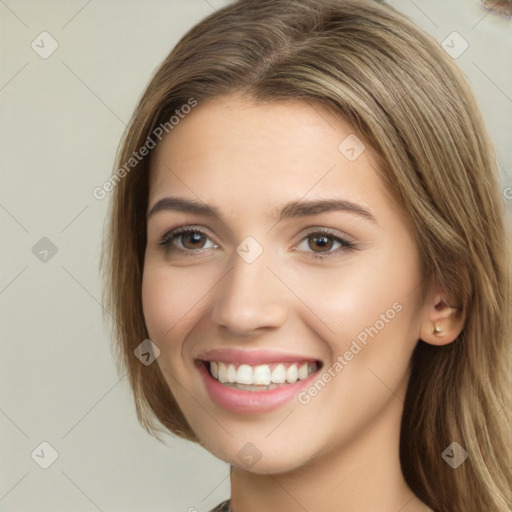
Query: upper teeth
{"x": 260, "y": 374}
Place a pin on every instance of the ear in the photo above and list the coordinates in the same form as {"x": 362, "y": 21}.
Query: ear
{"x": 440, "y": 322}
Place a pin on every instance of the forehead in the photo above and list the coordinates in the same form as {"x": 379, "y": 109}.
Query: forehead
{"x": 236, "y": 147}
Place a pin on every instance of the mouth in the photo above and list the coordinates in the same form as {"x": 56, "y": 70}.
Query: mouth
{"x": 261, "y": 377}
{"x": 244, "y": 383}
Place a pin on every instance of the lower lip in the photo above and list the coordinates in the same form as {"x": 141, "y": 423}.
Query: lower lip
{"x": 251, "y": 402}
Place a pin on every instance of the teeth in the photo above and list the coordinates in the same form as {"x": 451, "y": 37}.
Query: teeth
{"x": 279, "y": 374}
{"x": 292, "y": 374}
{"x": 223, "y": 373}
{"x": 244, "y": 374}
{"x": 303, "y": 371}
{"x": 260, "y": 375}
{"x": 232, "y": 373}
{"x": 214, "y": 368}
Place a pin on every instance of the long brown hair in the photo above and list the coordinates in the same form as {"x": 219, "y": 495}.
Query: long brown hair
{"x": 404, "y": 96}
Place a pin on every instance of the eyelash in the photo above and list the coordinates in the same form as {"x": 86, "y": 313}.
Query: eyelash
{"x": 170, "y": 237}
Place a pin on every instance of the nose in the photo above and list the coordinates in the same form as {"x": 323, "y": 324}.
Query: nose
{"x": 249, "y": 299}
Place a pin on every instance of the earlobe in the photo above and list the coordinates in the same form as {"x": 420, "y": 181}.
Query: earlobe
{"x": 438, "y": 331}
{"x": 441, "y": 324}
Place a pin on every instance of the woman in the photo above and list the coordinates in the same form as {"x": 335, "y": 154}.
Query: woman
{"x": 307, "y": 224}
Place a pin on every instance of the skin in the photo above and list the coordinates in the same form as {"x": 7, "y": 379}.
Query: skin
{"x": 340, "y": 450}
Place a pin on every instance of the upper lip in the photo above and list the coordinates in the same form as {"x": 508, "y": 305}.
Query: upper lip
{"x": 252, "y": 357}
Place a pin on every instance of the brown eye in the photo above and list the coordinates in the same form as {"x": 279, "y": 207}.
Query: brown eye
{"x": 187, "y": 241}
{"x": 324, "y": 243}
{"x": 192, "y": 240}
{"x": 320, "y": 242}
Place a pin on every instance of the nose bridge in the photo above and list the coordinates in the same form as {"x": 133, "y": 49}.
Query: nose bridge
{"x": 250, "y": 296}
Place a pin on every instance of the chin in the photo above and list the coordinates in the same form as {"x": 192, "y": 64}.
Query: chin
{"x": 261, "y": 457}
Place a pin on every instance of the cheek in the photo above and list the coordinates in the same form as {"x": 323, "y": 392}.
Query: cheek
{"x": 377, "y": 329}
{"x": 172, "y": 300}
{"x": 164, "y": 303}
{"x": 365, "y": 292}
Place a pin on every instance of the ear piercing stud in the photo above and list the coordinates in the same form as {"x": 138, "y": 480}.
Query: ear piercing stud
{"x": 437, "y": 330}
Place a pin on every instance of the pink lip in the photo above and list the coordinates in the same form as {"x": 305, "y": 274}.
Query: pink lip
{"x": 251, "y": 402}
{"x": 243, "y": 356}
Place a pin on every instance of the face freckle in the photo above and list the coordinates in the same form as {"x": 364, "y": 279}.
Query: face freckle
{"x": 275, "y": 253}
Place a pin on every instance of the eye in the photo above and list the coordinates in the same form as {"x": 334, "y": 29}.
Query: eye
{"x": 320, "y": 243}
{"x": 187, "y": 240}
{"x": 324, "y": 243}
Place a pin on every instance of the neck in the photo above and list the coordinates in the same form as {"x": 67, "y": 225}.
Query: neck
{"x": 363, "y": 475}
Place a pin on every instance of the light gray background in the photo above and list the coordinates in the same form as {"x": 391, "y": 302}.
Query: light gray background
{"x": 61, "y": 121}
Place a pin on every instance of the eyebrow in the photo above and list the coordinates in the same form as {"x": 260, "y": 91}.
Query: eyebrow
{"x": 291, "y": 210}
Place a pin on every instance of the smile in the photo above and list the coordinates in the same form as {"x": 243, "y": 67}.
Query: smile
{"x": 254, "y": 382}
{"x": 262, "y": 376}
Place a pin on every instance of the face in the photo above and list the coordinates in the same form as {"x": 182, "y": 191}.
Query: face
{"x": 281, "y": 283}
